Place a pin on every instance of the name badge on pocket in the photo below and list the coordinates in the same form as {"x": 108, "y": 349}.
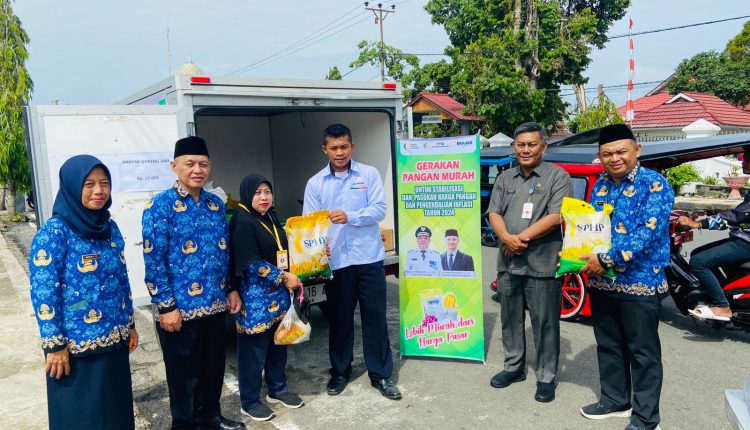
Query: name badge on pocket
{"x": 282, "y": 259}
{"x": 528, "y": 208}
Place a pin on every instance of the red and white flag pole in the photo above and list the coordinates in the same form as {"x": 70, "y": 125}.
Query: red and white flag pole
{"x": 629, "y": 114}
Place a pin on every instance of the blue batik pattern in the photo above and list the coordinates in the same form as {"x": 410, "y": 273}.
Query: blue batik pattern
{"x": 640, "y": 232}
{"x": 185, "y": 252}
{"x": 265, "y": 300}
{"x": 79, "y": 289}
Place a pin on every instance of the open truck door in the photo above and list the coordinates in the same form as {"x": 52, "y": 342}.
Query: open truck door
{"x": 135, "y": 142}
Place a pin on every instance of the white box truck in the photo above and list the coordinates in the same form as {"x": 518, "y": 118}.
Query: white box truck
{"x": 269, "y": 126}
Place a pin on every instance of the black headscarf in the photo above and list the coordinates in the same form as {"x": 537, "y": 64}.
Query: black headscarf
{"x": 249, "y": 240}
{"x": 87, "y": 223}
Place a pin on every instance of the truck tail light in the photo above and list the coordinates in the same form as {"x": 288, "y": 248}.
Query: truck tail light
{"x": 389, "y": 85}
{"x": 200, "y": 79}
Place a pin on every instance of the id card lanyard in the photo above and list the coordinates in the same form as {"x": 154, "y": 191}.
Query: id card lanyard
{"x": 282, "y": 255}
{"x": 528, "y": 207}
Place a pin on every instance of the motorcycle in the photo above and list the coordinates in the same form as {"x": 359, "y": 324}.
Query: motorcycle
{"x": 685, "y": 288}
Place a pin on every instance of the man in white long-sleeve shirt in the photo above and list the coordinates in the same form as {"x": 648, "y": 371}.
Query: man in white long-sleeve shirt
{"x": 353, "y": 193}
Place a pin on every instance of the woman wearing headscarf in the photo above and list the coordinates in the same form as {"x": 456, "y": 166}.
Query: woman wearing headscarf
{"x": 258, "y": 259}
{"x": 81, "y": 297}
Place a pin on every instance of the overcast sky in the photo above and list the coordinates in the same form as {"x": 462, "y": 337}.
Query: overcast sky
{"x": 97, "y": 52}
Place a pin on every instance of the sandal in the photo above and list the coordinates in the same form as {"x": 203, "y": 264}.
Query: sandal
{"x": 705, "y": 313}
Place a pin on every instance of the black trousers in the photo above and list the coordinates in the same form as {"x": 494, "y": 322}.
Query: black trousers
{"x": 363, "y": 283}
{"x": 629, "y": 353}
{"x": 97, "y": 395}
{"x": 194, "y": 358}
{"x": 257, "y": 353}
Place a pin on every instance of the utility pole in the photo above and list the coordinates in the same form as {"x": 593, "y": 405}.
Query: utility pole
{"x": 380, "y": 15}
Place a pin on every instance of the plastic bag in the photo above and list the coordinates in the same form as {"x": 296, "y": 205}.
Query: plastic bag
{"x": 291, "y": 329}
{"x": 307, "y": 236}
{"x": 586, "y": 232}
{"x": 218, "y": 191}
{"x": 301, "y": 304}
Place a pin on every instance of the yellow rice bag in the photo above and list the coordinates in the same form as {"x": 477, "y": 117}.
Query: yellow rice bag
{"x": 586, "y": 232}
{"x": 307, "y": 235}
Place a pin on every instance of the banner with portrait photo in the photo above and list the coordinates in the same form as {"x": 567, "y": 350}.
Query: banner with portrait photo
{"x": 440, "y": 248}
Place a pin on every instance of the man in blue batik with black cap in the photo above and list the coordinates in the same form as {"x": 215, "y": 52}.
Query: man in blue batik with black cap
{"x": 185, "y": 249}
{"x": 625, "y": 311}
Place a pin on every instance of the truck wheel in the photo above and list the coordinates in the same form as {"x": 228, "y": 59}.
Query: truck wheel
{"x": 573, "y": 296}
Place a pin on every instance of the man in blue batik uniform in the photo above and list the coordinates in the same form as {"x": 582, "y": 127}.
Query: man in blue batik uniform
{"x": 625, "y": 311}
{"x": 187, "y": 264}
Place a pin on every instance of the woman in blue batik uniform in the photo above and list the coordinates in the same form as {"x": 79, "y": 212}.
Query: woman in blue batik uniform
{"x": 81, "y": 298}
{"x": 257, "y": 261}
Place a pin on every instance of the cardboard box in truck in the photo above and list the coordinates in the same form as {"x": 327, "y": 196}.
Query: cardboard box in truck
{"x": 251, "y": 125}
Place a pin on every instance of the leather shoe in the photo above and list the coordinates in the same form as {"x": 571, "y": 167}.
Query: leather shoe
{"x": 545, "y": 392}
{"x": 387, "y": 388}
{"x": 336, "y": 385}
{"x": 221, "y": 423}
{"x": 505, "y": 378}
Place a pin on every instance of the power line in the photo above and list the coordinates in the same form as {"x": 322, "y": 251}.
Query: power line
{"x": 697, "y": 24}
{"x": 551, "y": 45}
{"x": 313, "y": 42}
{"x": 312, "y": 39}
{"x": 316, "y": 33}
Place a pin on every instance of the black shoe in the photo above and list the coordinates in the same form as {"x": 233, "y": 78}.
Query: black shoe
{"x": 545, "y": 392}
{"x": 387, "y": 388}
{"x": 259, "y": 412}
{"x": 290, "y": 400}
{"x": 505, "y": 378}
{"x": 599, "y": 411}
{"x": 336, "y": 385}
{"x": 221, "y": 423}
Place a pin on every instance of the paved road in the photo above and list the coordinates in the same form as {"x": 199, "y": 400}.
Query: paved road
{"x": 438, "y": 394}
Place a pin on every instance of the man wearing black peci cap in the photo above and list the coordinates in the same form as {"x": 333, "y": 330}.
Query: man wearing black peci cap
{"x": 452, "y": 259}
{"x": 625, "y": 311}
{"x": 187, "y": 263}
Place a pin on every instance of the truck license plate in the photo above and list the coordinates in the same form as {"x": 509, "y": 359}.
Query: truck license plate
{"x": 315, "y": 293}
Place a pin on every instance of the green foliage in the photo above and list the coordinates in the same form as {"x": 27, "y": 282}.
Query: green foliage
{"x": 714, "y": 73}
{"x": 15, "y": 90}
{"x": 432, "y": 77}
{"x": 604, "y": 112}
{"x": 446, "y": 128}
{"x": 333, "y": 74}
{"x": 679, "y": 175}
{"x": 710, "y": 180}
{"x": 509, "y": 58}
{"x": 739, "y": 47}
{"x": 17, "y": 218}
{"x": 396, "y": 61}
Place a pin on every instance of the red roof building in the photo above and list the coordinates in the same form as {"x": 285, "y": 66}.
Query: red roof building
{"x": 663, "y": 116}
{"x": 448, "y": 107}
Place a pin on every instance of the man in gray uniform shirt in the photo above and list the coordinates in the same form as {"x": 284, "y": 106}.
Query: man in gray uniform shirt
{"x": 524, "y": 212}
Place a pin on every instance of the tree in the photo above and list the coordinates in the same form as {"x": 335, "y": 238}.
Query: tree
{"x": 739, "y": 47}
{"x": 510, "y": 57}
{"x": 333, "y": 74}
{"x": 604, "y": 112}
{"x": 396, "y": 61}
{"x": 15, "y": 92}
{"x": 714, "y": 73}
{"x": 677, "y": 176}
